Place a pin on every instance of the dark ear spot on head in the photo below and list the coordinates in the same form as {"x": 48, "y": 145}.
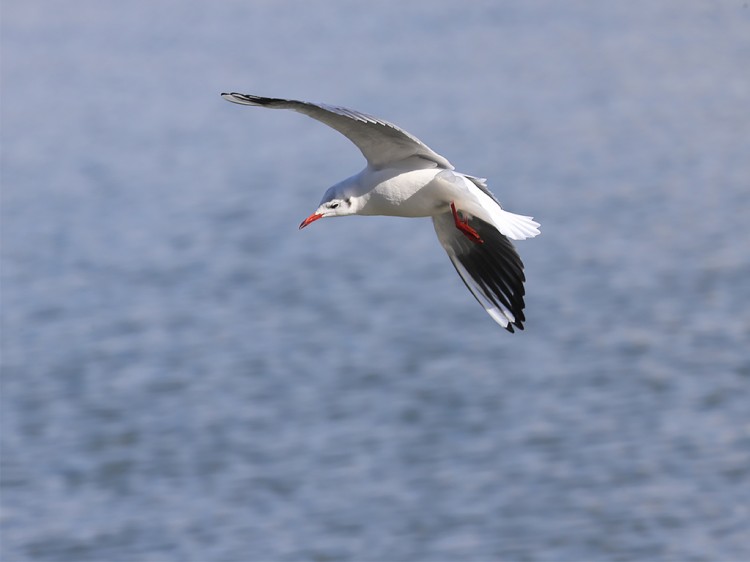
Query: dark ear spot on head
{"x": 348, "y": 200}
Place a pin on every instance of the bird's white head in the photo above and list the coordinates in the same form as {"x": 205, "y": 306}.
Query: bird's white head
{"x": 335, "y": 203}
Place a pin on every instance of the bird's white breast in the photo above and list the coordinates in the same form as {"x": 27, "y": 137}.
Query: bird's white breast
{"x": 405, "y": 193}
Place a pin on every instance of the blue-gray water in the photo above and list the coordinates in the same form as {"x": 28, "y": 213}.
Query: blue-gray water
{"x": 187, "y": 377}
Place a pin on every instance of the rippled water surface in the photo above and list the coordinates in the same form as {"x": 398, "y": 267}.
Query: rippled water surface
{"x": 187, "y": 377}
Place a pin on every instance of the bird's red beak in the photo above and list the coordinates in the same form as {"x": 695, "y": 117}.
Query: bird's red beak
{"x": 311, "y": 218}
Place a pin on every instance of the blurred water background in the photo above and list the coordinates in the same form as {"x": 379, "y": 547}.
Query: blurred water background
{"x": 187, "y": 377}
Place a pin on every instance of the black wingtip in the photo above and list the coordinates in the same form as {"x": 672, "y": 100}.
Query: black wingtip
{"x": 249, "y": 99}
{"x": 231, "y": 96}
{"x": 512, "y": 326}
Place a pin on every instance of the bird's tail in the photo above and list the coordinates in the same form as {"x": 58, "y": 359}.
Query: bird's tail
{"x": 515, "y": 227}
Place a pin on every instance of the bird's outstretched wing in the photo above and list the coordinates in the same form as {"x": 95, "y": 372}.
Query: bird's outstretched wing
{"x": 381, "y": 142}
{"x": 492, "y": 270}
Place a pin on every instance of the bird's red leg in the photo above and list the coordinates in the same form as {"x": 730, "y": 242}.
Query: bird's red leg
{"x": 464, "y": 227}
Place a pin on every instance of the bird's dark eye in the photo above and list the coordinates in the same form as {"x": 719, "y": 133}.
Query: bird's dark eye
{"x": 334, "y": 205}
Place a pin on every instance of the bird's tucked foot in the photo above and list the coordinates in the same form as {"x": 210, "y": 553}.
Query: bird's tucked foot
{"x": 463, "y": 226}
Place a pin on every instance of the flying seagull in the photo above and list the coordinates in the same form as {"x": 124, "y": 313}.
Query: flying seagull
{"x": 405, "y": 178}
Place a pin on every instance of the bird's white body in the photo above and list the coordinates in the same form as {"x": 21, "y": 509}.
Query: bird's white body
{"x": 405, "y": 178}
{"x": 400, "y": 191}
{"x": 407, "y": 191}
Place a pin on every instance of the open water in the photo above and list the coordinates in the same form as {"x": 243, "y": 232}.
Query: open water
{"x": 186, "y": 377}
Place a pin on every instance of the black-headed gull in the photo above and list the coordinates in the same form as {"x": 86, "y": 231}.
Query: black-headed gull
{"x": 405, "y": 178}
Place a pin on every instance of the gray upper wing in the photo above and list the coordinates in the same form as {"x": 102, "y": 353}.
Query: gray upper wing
{"x": 381, "y": 142}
